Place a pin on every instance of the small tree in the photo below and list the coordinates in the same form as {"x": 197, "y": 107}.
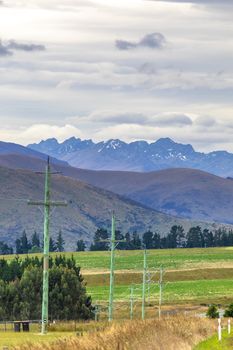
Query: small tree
{"x": 100, "y": 235}
{"x": 212, "y": 312}
{"x": 147, "y": 239}
{"x": 35, "y": 240}
{"x": 229, "y": 311}
{"x": 60, "y": 242}
{"x": 52, "y": 245}
{"x": 81, "y": 246}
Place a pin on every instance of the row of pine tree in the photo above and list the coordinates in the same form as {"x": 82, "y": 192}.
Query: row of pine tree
{"x": 175, "y": 238}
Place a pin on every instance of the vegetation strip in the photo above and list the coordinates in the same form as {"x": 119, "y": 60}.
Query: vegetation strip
{"x": 214, "y": 344}
{"x": 177, "y": 332}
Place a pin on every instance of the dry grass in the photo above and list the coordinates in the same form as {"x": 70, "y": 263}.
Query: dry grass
{"x": 172, "y": 333}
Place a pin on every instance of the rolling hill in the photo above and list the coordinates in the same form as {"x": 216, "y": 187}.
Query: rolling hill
{"x": 88, "y": 208}
{"x": 188, "y": 193}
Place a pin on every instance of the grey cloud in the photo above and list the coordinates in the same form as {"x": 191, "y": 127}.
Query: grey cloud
{"x": 4, "y": 50}
{"x": 119, "y": 118}
{"x": 152, "y": 41}
{"x": 125, "y": 45}
{"x": 126, "y": 118}
{"x": 206, "y": 121}
{"x": 173, "y": 119}
{"x": 8, "y": 48}
{"x": 14, "y": 45}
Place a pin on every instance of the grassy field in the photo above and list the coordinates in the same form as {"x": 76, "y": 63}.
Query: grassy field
{"x": 192, "y": 275}
{"x": 196, "y": 276}
{"x": 10, "y": 339}
{"x": 171, "y": 259}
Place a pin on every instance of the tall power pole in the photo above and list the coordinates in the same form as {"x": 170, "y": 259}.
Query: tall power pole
{"x": 47, "y": 203}
{"x": 113, "y": 244}
{"x": 112, "y": 266}
{"x": 144, "y": 284}
{"x": 131, "y": 301}
{"x": 160, "y": 290}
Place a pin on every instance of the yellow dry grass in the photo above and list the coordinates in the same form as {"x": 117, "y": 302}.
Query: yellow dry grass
{"x": 171, "y": 333}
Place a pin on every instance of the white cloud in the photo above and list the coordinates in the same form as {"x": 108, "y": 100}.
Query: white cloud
{"x": 38, "y": 132}
{"x": 128, "y": 94}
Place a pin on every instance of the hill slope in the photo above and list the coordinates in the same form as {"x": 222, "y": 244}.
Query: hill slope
{"x": 9, "y": 148}
{"x": 88, "y": 208}
{"x": 187, "y": 193}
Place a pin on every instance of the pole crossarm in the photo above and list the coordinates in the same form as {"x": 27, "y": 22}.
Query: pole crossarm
{"x": 50, "y": 203}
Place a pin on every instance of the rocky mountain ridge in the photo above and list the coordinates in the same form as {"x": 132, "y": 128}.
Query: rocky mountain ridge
{"x": 135, "y": 156}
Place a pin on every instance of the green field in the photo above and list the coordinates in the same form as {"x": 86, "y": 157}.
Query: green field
{"x": 10, "y": 339}
{"x": 194, "y": 276}
{"x": 168, "y": 258}
{"x": 197, "y": 276}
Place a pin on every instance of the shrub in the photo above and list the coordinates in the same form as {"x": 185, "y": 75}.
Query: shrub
{"x": 229, "y": 311}
{"x": 212, "y": 312}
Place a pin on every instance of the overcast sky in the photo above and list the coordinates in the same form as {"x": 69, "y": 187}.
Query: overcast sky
{"x": 128, "y": 69}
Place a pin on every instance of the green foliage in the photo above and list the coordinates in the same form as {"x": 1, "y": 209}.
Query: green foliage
{"x": 52, "y": 245}
{"x": 81, "y": 246}
{"x": 147, "y": 239}
{"x": 21, "y": 290}
{"x": 60, "y": 243}
{"x": 5, "y": 249}
{"x": 35, "y": 240}
{"x": 229, "y": 311}
{"x": 100, "y": 235}
{"x": 212, "y": 312}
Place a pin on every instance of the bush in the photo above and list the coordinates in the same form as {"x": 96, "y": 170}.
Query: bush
{"x": 229, "y": 311}
{"x": 212, "y": 312}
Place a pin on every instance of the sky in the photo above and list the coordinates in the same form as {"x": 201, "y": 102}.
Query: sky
{"x": 121, "y": 69}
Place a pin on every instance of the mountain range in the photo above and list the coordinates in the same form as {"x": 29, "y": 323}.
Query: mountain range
{"x": 138, "y": 156}
{"x": 156, "y": 199}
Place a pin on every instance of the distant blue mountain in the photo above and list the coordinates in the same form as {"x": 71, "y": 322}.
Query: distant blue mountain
{"x": 135, "y": 156}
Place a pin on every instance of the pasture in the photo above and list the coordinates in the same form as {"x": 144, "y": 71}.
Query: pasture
{"x": 193, "y": 276}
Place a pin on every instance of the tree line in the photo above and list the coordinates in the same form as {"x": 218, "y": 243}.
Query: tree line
{"x": 21, "y": 290}
{"x": 23, "y": 245}
{"x": 195, "y": 237}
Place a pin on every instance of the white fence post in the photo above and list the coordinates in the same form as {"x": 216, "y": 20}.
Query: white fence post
{"x": 219, "y": 330}
{"x": 229, "y": 326}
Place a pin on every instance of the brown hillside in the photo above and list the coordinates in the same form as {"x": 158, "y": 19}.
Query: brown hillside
{"x": 88, "y": 208}
{"x": 190, "y": 193}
